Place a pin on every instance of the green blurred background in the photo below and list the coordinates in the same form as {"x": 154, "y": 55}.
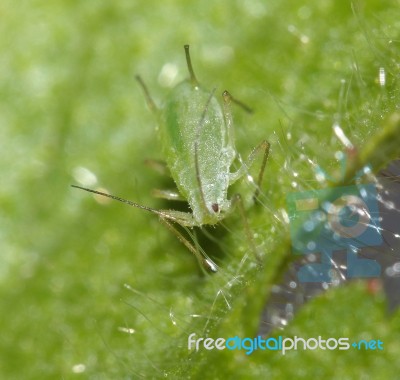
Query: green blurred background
{"x": 72, "y": 112}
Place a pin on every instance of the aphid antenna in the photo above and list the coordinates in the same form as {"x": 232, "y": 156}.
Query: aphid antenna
{"x": 119, "y": 199}
{"x": 190, "y": 67}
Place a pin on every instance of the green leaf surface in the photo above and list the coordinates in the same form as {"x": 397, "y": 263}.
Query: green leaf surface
{"x": 99, "y": 290}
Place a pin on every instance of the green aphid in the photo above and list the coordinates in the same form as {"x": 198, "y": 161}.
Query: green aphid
{"x": 199, "y": 149}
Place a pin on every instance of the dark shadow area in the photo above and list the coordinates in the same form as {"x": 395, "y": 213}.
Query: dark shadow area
{"x": 291, "y": 294}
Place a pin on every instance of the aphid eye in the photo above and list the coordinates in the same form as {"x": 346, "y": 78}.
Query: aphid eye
{"x": 215, "y": 207}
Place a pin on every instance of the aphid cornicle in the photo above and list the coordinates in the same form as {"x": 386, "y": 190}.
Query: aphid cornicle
{"x": 199, "y": 149}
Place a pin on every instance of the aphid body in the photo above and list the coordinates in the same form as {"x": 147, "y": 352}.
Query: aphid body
{"x": 199, "y": 151}
{"x": 198, "y": 145}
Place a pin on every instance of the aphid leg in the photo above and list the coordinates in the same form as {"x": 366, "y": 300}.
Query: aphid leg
{"x": 167, "y": 194}
{"x": 237, "y": 201}
{"x": 149, "y": 99}
{"x": 162, "y": 168}
{"x": 228, "y": 118}
{"x": 185, "y": 220}
{"x": 241, "y": 105}
{"x": 158, "y": 166}
{"x": 228, "y": 99}
{"x": 202, "y": 258}
{"x": 264, "y": 147}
